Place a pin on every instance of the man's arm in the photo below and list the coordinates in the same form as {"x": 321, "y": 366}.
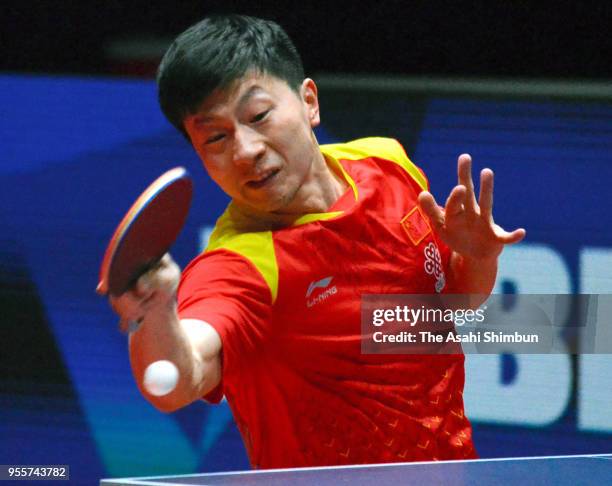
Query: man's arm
{"x": 192, "y": 345}
{"x": 468, "y": 228}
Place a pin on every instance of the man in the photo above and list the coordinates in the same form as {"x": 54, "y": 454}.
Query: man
{"x": 269, "y": 314}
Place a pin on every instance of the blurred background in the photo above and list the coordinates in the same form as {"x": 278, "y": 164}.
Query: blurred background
{"x": 473, "y": 38}
{"x": 525, "y": 87}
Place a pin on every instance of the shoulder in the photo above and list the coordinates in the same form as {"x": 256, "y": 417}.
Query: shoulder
{"x": 381, "y": 148}
{"x": 238, "y": 249}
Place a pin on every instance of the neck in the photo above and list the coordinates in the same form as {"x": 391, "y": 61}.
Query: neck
{"x": 319, "y": 191}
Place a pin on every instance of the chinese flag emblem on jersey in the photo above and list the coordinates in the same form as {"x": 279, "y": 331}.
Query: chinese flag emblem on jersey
{"x": 416, "y": 225}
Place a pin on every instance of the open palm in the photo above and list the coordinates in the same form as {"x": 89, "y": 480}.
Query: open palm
{"x": 467, "y": 225}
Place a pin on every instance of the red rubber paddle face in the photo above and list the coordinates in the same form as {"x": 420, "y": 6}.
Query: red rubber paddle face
{"x": 146, "y": 232}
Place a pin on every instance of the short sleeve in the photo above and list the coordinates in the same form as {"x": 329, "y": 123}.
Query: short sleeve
{"x": 227, "y": 291}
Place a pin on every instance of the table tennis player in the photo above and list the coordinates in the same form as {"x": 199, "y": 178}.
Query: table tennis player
{"x": 269, "y": 314}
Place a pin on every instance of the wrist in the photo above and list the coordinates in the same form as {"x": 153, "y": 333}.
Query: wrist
{"x": 472, "y": 275}
{"x": 483, "y": 261}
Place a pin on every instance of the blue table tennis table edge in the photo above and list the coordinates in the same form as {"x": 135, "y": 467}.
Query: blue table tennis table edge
{"x": 151, "y": 480}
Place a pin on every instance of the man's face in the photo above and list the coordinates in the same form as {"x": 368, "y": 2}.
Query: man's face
{"x": 256, "y": 142}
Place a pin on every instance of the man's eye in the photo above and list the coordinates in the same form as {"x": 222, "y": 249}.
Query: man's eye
{"x": 259, "y": 116}
{"x": 214, "y": 138}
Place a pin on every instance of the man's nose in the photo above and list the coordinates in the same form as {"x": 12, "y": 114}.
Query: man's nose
{"x": 248, "y": 145}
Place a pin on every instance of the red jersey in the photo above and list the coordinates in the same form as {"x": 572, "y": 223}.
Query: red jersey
{"x": 286, "y": 304}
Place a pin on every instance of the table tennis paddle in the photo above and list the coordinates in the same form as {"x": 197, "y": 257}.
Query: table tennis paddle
{"x": 146, "y": 232}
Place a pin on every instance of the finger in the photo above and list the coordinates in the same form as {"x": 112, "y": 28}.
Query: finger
{"x": 145, "y": 285}
{"x": 431, "y": 209}
{"x": 127, "y": 305}
{"x": 155, "y": 278}
{"x": 120, "y": 304}
{"x": 455, "y": 204}
{"x": 485, "y": 197}
{"x": 509, "y": 238}
{"x": 464, "y": 173}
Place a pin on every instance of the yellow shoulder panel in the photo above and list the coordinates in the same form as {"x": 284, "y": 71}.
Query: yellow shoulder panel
{"x": 384, "y": 148}
{"x": 256, "y": 246}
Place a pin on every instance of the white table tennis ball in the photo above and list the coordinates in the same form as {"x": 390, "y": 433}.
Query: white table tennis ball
{"x": 161, "y": 377}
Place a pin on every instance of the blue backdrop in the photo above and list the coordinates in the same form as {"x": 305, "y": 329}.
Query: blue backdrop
{"x": 75, "y": 154}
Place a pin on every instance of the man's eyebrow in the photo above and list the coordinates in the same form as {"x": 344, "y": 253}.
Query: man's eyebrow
{"x": 244, "y": 99}
{"x": 203, "y": 120}
{"x": 253, "y": 90}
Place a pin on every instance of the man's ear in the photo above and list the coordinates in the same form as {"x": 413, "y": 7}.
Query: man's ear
{"x": 310, "y": 99}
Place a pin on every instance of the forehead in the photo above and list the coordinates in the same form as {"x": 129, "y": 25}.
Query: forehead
{"x": 239, "y": 92}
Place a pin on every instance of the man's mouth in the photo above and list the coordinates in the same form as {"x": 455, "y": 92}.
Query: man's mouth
{"x": 263, "y": 179}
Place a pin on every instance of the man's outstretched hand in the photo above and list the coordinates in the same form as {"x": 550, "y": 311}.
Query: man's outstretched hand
{"x": 467, "y": 225}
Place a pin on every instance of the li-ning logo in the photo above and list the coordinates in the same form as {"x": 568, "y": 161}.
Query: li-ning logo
{"x": 320, "y": 284}
{"x": 433, "y": 265}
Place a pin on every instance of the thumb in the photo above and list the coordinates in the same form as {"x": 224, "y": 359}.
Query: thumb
{"x": 431, "y": 209}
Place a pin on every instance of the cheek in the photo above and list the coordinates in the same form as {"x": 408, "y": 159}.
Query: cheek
{"x": 293, "y": 121}
{"x": 218, "y": 174}
{"x": 295, "y": 136}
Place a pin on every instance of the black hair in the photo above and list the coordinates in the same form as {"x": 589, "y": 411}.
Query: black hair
{"x": 215, "y": 52}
